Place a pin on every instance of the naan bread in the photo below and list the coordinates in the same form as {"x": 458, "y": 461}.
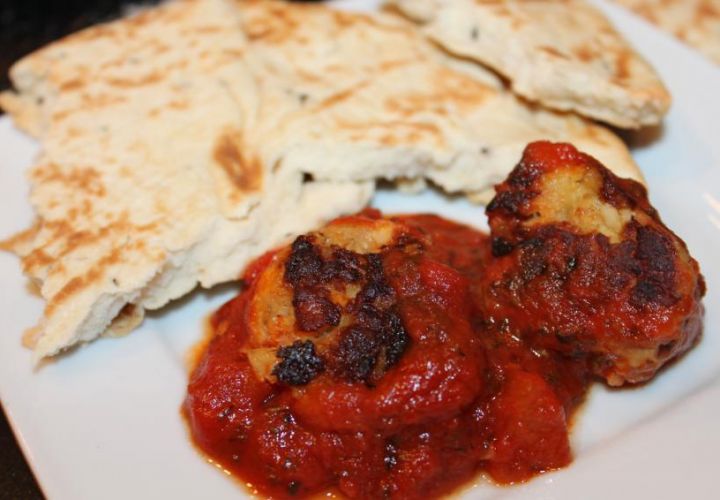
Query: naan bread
{"x": 563, "y": 54}
{"x": 358, "y": 97}
{"x": 142, "y": 189}
{"x": 182, "y": 142}
{"x": 695, "y": 22}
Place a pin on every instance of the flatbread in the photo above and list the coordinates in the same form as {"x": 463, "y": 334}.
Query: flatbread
{"x": 180, "y": 143}
{"x": 358, "y": 97}
{"x": 695, "y": 22}
{"x": 142, "y": 189}
{"x": 561, "y": 53}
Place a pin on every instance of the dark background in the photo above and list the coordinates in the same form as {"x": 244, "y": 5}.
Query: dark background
{"x": 16, "y": 480}
{"x": 24, "y": 26}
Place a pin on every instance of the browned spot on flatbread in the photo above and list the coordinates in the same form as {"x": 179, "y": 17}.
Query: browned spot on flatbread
{"x": 682, "y": 34}
{"x": 706, "y": 10}
{"x": 37, "y": 259}
{"x": 341, "y": 96}
{"x": 87, "y": 207}
{"x": 411, "y": 104}
{"x": 73, "y": 132}
{"x": 95, "y": 274}
{"x": 245, "y": 173}
{"x": 75, "y": 285}
{"x": 585, "y": 54}
{"x": 308, "y": 76}
{"x": 233, "y": 54}
{"x": 176, "y": 104}
{"x": 71, "y": 240}
{"x": 275, "y": 25}
{"x": 553, "y": 52}
{"x": 445, "y": 90}
{"x": 153, "y": 77}
{"x": 16, "y": 241}
{"x": 622, "y": 65}
{"x": 88, "y": 180}
{"x": 89, "y": 101}
{"x": 500, "y": 10}
{"x": 397, "y": 139}
{"x": 395, "y": 132}
{"x": 459, "y": 89}
{"x": 179, "y": 104}
{"x": 397, "y": 63}
{"x": 73, "y": 84}
{"x": 158, "y": 47}
{"x": 344, "y": 20}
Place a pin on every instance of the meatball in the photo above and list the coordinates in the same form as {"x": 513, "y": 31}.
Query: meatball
{"x": 584, "y": 266}
{"x": 350, "y": 360}
{"x": 336, "y": 310}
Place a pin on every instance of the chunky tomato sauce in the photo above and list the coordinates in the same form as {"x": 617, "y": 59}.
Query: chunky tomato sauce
{"x": 465, "y": 396}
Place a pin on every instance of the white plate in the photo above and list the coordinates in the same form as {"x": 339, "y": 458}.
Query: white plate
{"x": 104, "y": 422}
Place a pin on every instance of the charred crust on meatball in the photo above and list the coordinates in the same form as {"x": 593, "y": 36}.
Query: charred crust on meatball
{"x": 510, "y": 202}
{"x": 304, "y": 263}
{"x": 623, "y": 193}
{"x": 375, "y": 339}
{"x": 372, "y": 338}
{"x": 299, "y": 363}
{"x": 500, "y": 247}
{"x": 308, "y": 272}
{"x": 345, "y": 266}
{"x": 371, "y": 345}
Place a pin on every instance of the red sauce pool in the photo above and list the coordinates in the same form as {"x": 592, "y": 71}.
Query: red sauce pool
{"x": 484, "y": 402}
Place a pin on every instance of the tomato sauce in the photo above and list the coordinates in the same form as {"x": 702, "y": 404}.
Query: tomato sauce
{"x": 467, "y": 396}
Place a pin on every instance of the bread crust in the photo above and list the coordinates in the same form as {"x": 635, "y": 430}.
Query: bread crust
{"x": 563, "y": 54}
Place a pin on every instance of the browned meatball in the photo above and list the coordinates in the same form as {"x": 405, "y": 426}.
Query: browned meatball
{"x": 317, "y": 290}
{"x": 585, "y": 266}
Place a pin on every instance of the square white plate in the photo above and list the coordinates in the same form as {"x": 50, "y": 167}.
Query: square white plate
{"x": 103, "y": 422}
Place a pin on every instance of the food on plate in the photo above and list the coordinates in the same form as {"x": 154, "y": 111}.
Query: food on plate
{"x": 351, "y": 361}
{"x": 695, "y": 22}
{"x": 563, "y": 54}
{"x": 367, "y": 96}
{"x": 142, "y": 189}
{"x": 181, "y": 142}
{"x": 585, "y": 265}
{"x": 398, "y": 357}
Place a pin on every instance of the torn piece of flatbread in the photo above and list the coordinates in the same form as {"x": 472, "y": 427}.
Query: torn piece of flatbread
{"x": 353, "y": 96}
{"x": 695, "y": 22}
{"x": 177, "y": 144}
{"x": 562, "y": 53}
{"x": 141, "y": 189}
